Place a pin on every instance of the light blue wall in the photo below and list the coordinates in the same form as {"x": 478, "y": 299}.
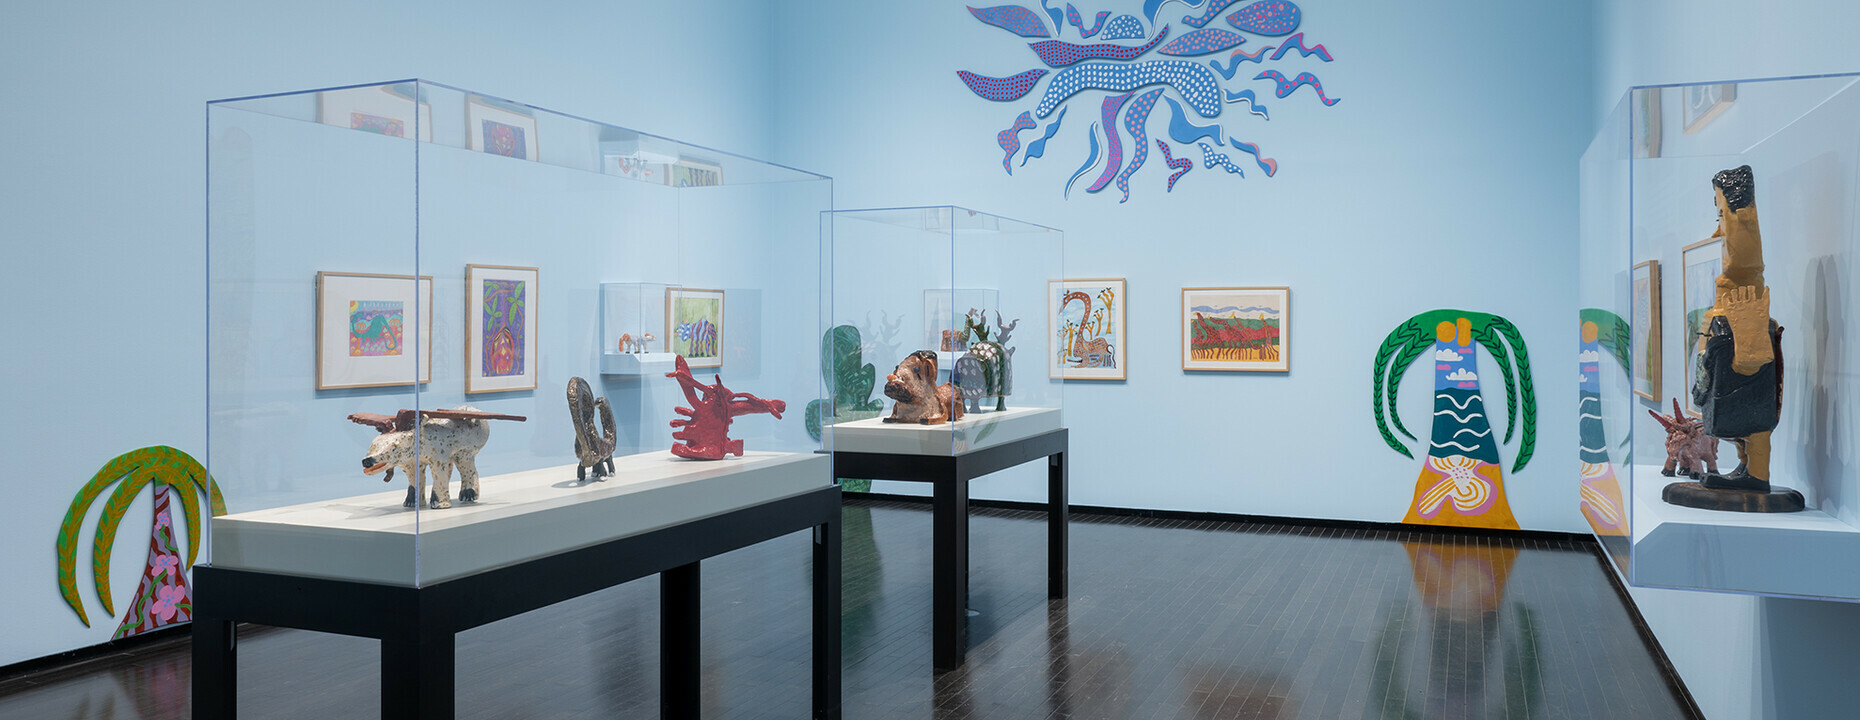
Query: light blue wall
{"x": 103, "y": 195}
{"x": 1445, "y": 178}
{"x": 1741, "y": 656}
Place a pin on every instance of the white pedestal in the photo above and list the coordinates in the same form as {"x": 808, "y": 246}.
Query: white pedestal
{"x": 973, "y": 432}
{"x": 520, "y": 516}
{"x": 1774, "y": 553}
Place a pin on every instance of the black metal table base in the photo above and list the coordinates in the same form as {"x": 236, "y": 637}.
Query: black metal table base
{"x": 416, "y": 626}
{"x": 949, "y": 476}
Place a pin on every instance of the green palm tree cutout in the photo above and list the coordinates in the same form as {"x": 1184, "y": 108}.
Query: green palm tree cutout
{"x": 1415, "y": 337}
{"x": 131, "y": 472}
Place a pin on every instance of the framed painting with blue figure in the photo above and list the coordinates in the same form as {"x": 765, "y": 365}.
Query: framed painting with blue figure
{"x": 380, "y": 109}
{"x": 1085, "y": 329}
{"x": 500, "y": 345}
{"x": 500, "y": 128}
{"x": 1646, "y": 330}
{"x": 694, "y": 325}
{"x": 1237, "y": 329}
{"x": 366, "y": 333}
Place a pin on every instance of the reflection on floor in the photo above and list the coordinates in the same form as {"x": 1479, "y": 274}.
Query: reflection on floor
{"x": 1167, "y": 619}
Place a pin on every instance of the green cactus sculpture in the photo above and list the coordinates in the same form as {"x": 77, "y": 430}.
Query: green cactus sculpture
{"x": 843, "y": 367}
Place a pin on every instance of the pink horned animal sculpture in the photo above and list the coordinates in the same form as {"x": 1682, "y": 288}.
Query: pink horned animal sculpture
{"x": 706, "y": 433}
{"x": 1689, "y": 451}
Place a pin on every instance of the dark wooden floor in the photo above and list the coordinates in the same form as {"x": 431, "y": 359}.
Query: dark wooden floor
{"x": 1167, "y": 619}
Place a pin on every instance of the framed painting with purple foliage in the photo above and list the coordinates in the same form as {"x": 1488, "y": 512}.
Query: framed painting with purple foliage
{"x": 499, "y": 128}
{"x": 500, "y": 348}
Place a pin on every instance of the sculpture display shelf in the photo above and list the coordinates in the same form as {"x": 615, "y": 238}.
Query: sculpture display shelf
{"x": 633, "y": 331}
{"x": 1745, "y": 217}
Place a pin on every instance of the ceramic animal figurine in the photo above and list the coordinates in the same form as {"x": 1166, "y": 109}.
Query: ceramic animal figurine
{"x": 987, "y": 370}
{"x": 920, "y": 399}
{"x": 445, "y": 439}
{"x": 706, "y": 433}
{"x": 630, "y": 344}
{"x": 1689, "y": 451}
{"x": 954, "y": 341}
{"x": 592, "y": 450}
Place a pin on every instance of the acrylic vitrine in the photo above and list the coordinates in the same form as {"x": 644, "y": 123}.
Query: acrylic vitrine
{"x": 941, "y": 337}
{"x": 1658, "y": 265}
{"x": 411, "y": 264}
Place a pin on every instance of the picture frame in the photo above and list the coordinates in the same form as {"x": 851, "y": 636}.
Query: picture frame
{"x": 498, "y": 128}
{"x": 1236, "y": 329}
{"x": 1647, "y": 125}
{"x": 1704, "y": 103}
{"x": 694, "y": 325}
{"x": 693, "y": 173}
{"x": 361, "y": 330}
{"x": 1700, "y": 264}
{"x": 501, "y": 328}
{"x": 1645, "y": 329}
{"x": 378, "y": 109}
{"x": 1086, "y": 329}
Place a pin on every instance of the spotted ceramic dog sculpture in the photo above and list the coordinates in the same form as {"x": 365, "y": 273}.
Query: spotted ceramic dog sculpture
{"x": 445, "y": 439}
{"x": 920, "y": 399}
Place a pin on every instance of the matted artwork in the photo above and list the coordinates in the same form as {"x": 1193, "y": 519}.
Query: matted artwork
{"x": 1236, "y": 328}
{"x": 1700, "y": 264}
{"x": 1085, "y": 329}
{"x": 378, "y": 109}
{"x": 1705, "y": 103}
{"x": 366, "y": 335}
{"x": 500, "y": 307}
{"x": 694, "y": 318}
{"x": 494, "y": 128}
{"x": 1646, "y": 342}
{"x": 691, "y": 173}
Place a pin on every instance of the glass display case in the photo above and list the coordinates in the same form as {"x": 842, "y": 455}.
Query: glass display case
{"x": 409, "y": 271}
{"x": 1704, "y": 318}
{"x": 938, "y": 330}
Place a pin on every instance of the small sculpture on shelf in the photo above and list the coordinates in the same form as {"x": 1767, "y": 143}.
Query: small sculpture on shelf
{"x": 955, "y": 340}
{"x": 920, "y": 399}
{"x": 987, "y": 370}
{"x": 592, "y": 450}
{"x": 706, "y": 433}
{"x": 843, "y": 367}
{"x": 1739, "y": 375}
{"x": 1689, "y": 451}
{"x": 444, "y": 439}
{"x": 630, "y": 344}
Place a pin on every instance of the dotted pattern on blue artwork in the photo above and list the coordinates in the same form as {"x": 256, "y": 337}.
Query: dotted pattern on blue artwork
{"x": 1060, "y": 54}
{"x": 1014, "y": 19}
{"x": 1297, "y": 42}
{"x": 1202, "y": 42}
{"x": 1287, "y": 87}
{"x": 1124, "y": 27}
{"x": 1072, "y": 17}
{"x": 1134, "y": 121}
{"x": 1209, "y": 14}
{"x": 1001, "y": 89}
{"x": 1213, "y": 159}
{"x": 1179, "y": 166}
{"x": 1113, "y": 146}
{"x": 1266, "y": 17}
{"x": 1194, "y": 81}
{"x": 1010, "y": 139}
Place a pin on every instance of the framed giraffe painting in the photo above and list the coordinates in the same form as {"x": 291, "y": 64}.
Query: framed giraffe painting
{"x": 1085, "y": 329}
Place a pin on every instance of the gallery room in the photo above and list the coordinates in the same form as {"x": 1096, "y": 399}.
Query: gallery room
{"x": 759, "y": 359}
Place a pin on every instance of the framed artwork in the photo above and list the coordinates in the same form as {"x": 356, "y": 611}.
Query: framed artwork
{"x": 1085, "y": 329}
{"x": 1646, "y": 330}
{"x": 691, "y": 173}
{"x": 377, "y": 109}
{"x": 499, "y": 129}
{"x": 1706, "y": 102}
{"x": 1236, "y": 328}
{"x": 1700, "y": 264}
{"x": 362, "y": 323}
{"x": 694, "y": 323}
{"x": 1647, "y": 123}
{"x": 500, "y": 342}
{"x": 945, "y": 310}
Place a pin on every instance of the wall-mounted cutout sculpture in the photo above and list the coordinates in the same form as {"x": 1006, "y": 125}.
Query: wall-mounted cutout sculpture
{"x": 1287, "y": 87}
{"x": 1124, "y": 27}
{"x": 1014, "y": 19}
{"x": 1177, "y": 166}
{"x": 1010, "y": 140}
{"x": 1072, "y": 18}
{"x": 1602, "y": 333}
{"x": 1267, "y": 17}
{"x": 1004, "y": 89}
{"x": 1060, "y": 54}
{"x": 1462, "y": 478}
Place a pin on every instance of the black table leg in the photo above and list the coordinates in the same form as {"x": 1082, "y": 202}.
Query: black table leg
{"x": 216, "y": 666}
{"x": 949, "y": 606}
{"x": 827, "y": 621}
{"x": 1058, "y": 513}
{"x": 417, "y": 674}
{"x": 680, "y": 662}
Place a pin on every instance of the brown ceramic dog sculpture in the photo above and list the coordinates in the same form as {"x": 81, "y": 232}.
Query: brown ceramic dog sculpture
{"x": 920, "y": 399}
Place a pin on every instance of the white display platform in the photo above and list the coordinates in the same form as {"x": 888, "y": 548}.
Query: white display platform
{"x": 1769, "y": 553}
{"x": 973, "y": 432}
{"x": 520, "y": 516}
{"x": 614, "y": 363}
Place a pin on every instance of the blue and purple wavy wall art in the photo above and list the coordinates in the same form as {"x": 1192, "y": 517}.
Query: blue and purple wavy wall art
{"x": 1124, "y": 82}
{"x": 1005, "y": 89}
{"x": 1266, "y": 17}
{"x": 1060, "y": 54}
{"x": 1202, "y": 42}
{"x": 1014, "y": 19}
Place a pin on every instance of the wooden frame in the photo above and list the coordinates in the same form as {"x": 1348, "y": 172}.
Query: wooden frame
{"x": 672, "y": 296}
{"x": 327, "y": 377}
{"x": 1281, "y": 364}
{"x": 1645, "y": 330}
{"x": 1691, "y": 284}
{"x": 1118, "y": 345}
{"x": 524, "y": 145}
{"x": 1698, "y": 113}
{"x": 523, "y": 350}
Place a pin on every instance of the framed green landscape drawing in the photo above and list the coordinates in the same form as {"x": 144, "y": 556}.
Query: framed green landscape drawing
{"x": 1238, "y": 329}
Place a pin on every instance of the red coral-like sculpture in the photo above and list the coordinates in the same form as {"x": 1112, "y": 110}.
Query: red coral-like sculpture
{"x": 706, "y": 434}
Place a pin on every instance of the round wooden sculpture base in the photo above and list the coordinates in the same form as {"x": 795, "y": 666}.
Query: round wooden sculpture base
{"x": 1694, "y": 495}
